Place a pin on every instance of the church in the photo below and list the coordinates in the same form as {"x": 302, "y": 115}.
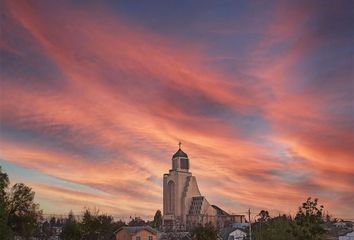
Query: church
{"x": 183, "y": 205}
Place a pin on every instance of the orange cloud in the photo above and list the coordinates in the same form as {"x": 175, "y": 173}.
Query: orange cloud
{"x": 115, "y": 99}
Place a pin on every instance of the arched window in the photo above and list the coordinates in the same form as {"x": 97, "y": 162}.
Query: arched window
{"x": 171, "y": 196}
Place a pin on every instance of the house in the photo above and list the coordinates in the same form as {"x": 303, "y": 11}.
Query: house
{"x": 349, "y": 236}
{"x": 231, "y": 233}
{"x": 241, "y": 225}
{"x": 340, "y": 224}
{"x": 237, "y": 235}
{"x": 136, "y": 233}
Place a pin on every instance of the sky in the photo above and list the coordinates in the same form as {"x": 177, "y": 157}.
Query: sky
{"x": 96, "y": 95}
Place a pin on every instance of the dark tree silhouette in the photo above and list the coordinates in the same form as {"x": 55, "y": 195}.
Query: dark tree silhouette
{"x": 263, "y": 216}
{"x": 157, "y": 222}
{"x": 136, "y": 221}
{"x": 71, "y": 228}
{"x": 19, "y": 215}
{"x": 308, "y": 221}
{"x": 207, "y": 232}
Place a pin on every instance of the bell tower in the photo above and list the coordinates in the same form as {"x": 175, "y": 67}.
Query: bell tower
{"x": 180, "y": 161}
{"x": 174, "y": 191}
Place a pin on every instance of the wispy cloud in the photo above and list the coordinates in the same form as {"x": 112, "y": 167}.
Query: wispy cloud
{"x": 93, "y": 97}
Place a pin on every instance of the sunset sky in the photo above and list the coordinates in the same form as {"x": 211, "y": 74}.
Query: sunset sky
{"x": 95, "y": 96}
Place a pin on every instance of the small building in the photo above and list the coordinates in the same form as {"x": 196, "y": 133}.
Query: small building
{"x": 241, "y": 225}
{"x": 237, "y": 235}
{"x": 349, "y": 236}
{"x": 231, "y": 233}
{"x": 136, "y": 233}
{"x": 340, "y": 224}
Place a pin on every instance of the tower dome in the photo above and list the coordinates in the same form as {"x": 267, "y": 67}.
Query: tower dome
{"x": 180, "y": 161}
{"x": 180, "y": 153}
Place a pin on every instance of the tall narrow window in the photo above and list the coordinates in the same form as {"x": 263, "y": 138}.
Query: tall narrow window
{"x": 184, "y": 163}
{"x": 171, "y": 196}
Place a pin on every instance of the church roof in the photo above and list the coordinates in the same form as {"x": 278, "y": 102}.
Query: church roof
{"x": 220, "y": 211}
{"x": 180, "y": 153}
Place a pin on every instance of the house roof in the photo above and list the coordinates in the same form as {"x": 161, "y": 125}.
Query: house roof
{"x": 176, "y": 235}
{"x": 134, "y": 230}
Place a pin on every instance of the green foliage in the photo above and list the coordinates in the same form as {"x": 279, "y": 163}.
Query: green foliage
{"x": 4, "y": 228}
{"x": 71, "y": 229}
{"x": 19, "y": 215}
{"x": 207, "y": 232}
{"x": 276, "y": 228}
{"x": 97, "y": 226}
{"x": 23, "y": 214}
{"x": 157, "y": 222}
{"x": 263, "y": 216}
{"x": 94, "y": 226}
{"x": 5, "y": 231}
{"x": 307, "y": 224}
{"x": 308, "y": 221}
{"x": 136, "y": 221}
{"x": 20, "y": 199}
{"x": 4, "y": 183}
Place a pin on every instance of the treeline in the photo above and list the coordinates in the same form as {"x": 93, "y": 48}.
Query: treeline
{"x": 96, "y": 226}
{"x": 308, "y": 224}
{"x": 21, "y": 217}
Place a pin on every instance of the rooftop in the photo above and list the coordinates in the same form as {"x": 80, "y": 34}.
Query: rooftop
{"x": 134, "y": 230}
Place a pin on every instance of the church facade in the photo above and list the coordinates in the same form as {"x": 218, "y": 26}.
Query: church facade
{"x": 183, "y": 205}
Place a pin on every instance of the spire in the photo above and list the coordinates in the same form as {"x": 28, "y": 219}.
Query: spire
{"x": 179, "y": 152}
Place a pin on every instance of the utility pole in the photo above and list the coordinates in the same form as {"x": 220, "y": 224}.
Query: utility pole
{"x": 249, "y": 222}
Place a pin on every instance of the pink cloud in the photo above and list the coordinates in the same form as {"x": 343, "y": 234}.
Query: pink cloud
{"x": 118, "y": 94}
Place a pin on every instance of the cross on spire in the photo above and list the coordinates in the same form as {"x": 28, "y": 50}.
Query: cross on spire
{"x": 179, "y": 144}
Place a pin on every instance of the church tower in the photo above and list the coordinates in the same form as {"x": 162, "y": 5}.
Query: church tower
{"x": 178, "y": 186}
{"x": 183, "y": 205}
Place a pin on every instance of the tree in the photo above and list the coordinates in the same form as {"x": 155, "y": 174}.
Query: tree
{"x": 137, "y": 221}
{"x": 276, "y": 228}
{"x": 19, "y": 215}
{"x": 97, "y": 226}
{"x": 207, "y": 232}
{"x": 23, "y": 214}
{"x": 71, "y": 229}
{"x": 107, "y": 226}
{"x": 263, "y": 216}
{"x": 47, "y": 230}
{"x": 157, "y": 222}
{"x": 308, "y": 221}
{"x": 4, "y": 183}
{"x": 52, "y": 221}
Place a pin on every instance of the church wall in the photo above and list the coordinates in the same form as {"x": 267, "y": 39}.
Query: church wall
{"x": 192, "y": 191}
{"x": 181, "y": 179}
{"x": 165, "y": 197}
